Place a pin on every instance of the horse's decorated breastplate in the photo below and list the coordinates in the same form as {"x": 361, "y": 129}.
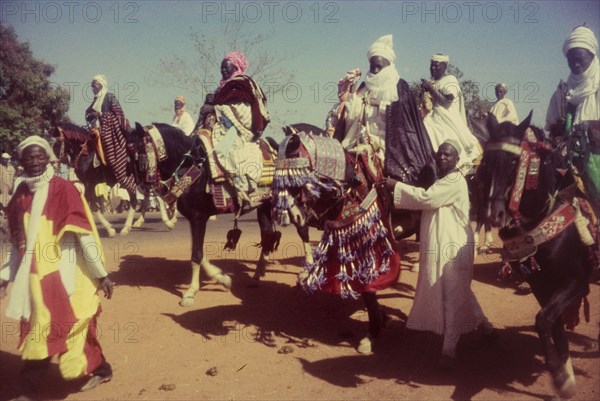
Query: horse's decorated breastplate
{"x": 523, "y": 246}
{"x": 357, "y": 248}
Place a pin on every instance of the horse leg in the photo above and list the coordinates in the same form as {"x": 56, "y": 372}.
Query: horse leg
{"x": 476, "y": 237}
{"x": 198, "y": 229}
{"x": 269, "y": 239}
{"x": 213, "y": 272}
{"x": 130, "y": 214}
{"x": 557, "y": 355}
{"x": 163, "y": 214}
{"x": 376, "y": 322}
{"x": 489, "y": 239}
{"x": 106, "y": 224}
{"x": 308, "y": 256}
{"x": 143, "y": 208}
{"x": 561, "y": 342}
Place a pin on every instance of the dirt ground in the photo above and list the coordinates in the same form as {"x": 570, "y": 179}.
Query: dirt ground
{"x": 230, "y": 345}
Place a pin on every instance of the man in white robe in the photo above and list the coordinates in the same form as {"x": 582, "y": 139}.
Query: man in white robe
{"x": 365, "y": 107}
{"x": 504, "y": 109}
{"x": 580, "y": 94}
{"x": 182, "y": 118}
{"x": 444, "y": 302}
{"x": 448, "y": 118}
{"x": 578, "y": 100}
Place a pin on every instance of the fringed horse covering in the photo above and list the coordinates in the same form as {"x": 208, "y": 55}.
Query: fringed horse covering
{"x": 321, "y": 164}
{"x": 355, "y": 254}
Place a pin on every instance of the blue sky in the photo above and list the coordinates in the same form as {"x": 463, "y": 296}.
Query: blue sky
{"x": 516, "y": 42}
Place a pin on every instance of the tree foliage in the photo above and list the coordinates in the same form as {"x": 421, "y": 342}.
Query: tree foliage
{"x": 28, "y": 102}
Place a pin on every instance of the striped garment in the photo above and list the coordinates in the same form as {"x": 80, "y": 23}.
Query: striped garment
{"x": 63, "y": 316}
{"x": 112, "y": 125}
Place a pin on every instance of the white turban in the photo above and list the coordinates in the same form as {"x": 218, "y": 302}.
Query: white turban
{"x": 101, "y": 79}
{"x": 36, "y": 140}
{"x": 99, "y": 97}
{"x": 383, "y": 47}
{"x": 581, "y": 37}
{"x": 441, "y": 58}
{"x": 454, "y": 143}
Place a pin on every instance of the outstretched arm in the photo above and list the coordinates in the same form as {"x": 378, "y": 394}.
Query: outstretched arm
{"x": 92, "y": 255}
{"x": 444, "y": 191}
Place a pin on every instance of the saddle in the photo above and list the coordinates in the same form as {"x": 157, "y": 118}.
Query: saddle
{"x": 223, "y": 192}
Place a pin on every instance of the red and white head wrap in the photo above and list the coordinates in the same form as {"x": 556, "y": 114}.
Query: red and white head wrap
{"x": 240, "y": 61}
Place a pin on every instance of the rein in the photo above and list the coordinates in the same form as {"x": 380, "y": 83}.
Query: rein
{"x": 525, "y": 245}
{"x": 528, "y": 169}
{"x": 176, "y": 184}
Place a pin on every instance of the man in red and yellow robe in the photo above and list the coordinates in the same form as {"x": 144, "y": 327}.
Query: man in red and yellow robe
{"x": 57, "y": 266}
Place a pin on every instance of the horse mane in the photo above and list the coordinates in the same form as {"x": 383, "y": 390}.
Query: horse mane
{"x": 74, "y": 132}
{"x": 179, "y": 143}
{"x": 479, "y": 129}
{"x": 299, "y": 127}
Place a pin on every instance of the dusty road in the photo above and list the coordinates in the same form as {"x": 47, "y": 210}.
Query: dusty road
{"x": 161, "y": 351}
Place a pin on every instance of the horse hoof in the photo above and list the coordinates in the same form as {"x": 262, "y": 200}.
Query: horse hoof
{"x": 568, "y": 389}
{"x": 170, "y": 225}
{"x": 138, "y": 223}
{"x": 261, "y": 270}
{"x": 111, "y": 232}
{"x": 224, "y": 280}
{"x": 186, "y": 301}
{"x": 125, "y": 231}
{"x": 564, "y": 381}
{"x": 365, "y": 346}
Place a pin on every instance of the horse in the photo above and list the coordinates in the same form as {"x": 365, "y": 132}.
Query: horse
{"x": 479, "y": 130}
{"x": 539, "y": 222}
{"x": 186, "y": 160}
{"x": 317, "y": 183}
{"x": 76, "y": 147}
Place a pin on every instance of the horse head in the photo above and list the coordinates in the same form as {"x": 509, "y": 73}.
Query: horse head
{"x": 499, "y": 166}
{"x": 70, "y": 141}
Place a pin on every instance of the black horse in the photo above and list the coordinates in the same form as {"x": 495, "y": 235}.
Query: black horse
{"x": 541, "y": 240}
{"x": 197, "y": 205}
{"x": 477, "y": 212}
{"x": 76, "y": 147}
{"x": 319, "y": 184}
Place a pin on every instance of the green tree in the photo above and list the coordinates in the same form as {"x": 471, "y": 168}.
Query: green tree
{"x": 28, "y": 102}
{"x": 475, "y": 106}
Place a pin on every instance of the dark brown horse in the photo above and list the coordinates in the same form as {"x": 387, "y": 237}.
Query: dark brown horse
{"x": 76, "y": 147}
{"x": 533, "y": 207}
{"x": 318, "y": 184}
{"x": 186, "y": 153}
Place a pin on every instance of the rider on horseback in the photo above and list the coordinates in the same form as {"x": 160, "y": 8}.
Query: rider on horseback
{"x": 239, "y": 103}
{"x": 573, "y": 116}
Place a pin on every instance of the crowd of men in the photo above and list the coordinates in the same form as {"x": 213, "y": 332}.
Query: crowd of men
{"x": 234, "y": 117}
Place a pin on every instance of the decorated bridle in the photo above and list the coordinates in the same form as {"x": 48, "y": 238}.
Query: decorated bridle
{"x": 528, "y": 169}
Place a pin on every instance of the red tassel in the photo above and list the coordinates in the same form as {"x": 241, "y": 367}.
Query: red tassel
{"x": 533, "y": 264}
{"x": 505, "y": 271}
